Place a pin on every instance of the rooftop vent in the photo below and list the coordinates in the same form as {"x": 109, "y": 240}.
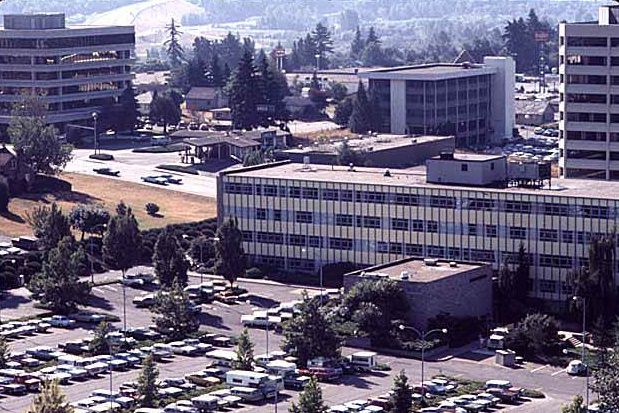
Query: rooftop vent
{"x": 453, "y": 264}
{"x": 404, "y": 275}
{"x": 387, "y": 173}
{"x": 447, "y": 156}
{"x": 430, "y": 262}
{"x": 351, "y": 167}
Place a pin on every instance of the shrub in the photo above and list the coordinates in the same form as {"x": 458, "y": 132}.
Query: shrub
{"x": 102, "y": 157}
{"x": 152, "y": 209}
{"x": 254, "y": 273}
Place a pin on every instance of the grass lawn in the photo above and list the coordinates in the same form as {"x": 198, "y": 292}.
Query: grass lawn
{"x": 175, "y": 207}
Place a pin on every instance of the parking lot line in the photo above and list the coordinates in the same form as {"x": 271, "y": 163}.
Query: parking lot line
{"x": 539, "y": 368}
{"x": 110, "y": 288}
{"x": 557, "y": 372}
{"x": 98, "y": 290}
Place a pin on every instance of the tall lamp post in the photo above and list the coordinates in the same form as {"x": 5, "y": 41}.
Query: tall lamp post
{"x": 423, "y": 335}
{"x": 584, "y": 335}
{"x": 95, "y": 116}
{"x": 267, "y": 342}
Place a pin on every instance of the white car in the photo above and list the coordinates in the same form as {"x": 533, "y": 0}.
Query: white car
{"x": 60, "y": 321}
{"x": 576, "y": 368}
{"x": 180, "y": 347}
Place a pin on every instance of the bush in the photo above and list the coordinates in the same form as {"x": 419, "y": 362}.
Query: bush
{"x": 152, "y": 209}
{"x": 533, "y": 394}
{"x": 102, "y": 157}
{"x": 4, "y": 197}
{"x": 254, "y": 272}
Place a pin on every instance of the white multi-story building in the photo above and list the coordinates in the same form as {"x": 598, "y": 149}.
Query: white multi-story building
{"x": 589, "y": 101}
{"x": 74, "y": 69}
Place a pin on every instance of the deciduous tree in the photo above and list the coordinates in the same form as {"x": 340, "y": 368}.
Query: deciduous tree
{"x": 89, "y": 218}
{"x": 169, "y": 260}
{"x": 401, "y": 395}
{"x": 49, "y": 225}
{"x": 175, "y": 316}
{"x": 230, "y": 261}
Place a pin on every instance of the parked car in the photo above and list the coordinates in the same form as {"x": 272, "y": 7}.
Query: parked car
{"x": 172, "y": 180}
{"x": 107, "y": 171}
{"x": 157, "y": 180}
{"x": 60, "y": 321}
{"x": 576, "y": 368}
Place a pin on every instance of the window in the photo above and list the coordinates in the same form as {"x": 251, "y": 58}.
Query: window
{"x": 557, "y": 209}
{"x": 585, "y": 98}
{"x": 261, "y": 214}
{"x": 590, "y": 211}
{"x": 482, "y": 255}
{"x": 368, "y": 222}
{"x": 277, "y": 215}
{"x": 436, "y": 251}
{"x": 238, "y": 188}
{"x": 432, "y": 226}
{"x": 297, "y": 240}
{"x": 303, "y": 217}
{"x": 413, "y": 249}
{"x": 581, "y": 41}
{"x": 341, "y": 244}
{"x": 555, "y": 261}
{"x": 551, "y": 235}
{"x": 481, "y": 204}
{"x": 269, "y": 190}
{"x": 518, "y": 206}
{"x": 395, "y": 248}
{"x": 443, "y": 201}
{"x": 247, "y": 236}
{"x": 330, "y": 195}
{"x": 344, "y": 220}
{"x": 294, "y": 192}
{"x": 491, "y": 231}
{"x": 547, "y": 286}
{"x": 418, "y": 225}
{"x": 517, "y": 233}
{"x": 406, "y": 199}
{"x": 382, "y": 247}
{"x": 310, "y": 193}
{"x": 464, "y": 167}
{"x": 471, "y": 229}
{"x": 399, "y": 224}
{"x": 269, "y": 238}
{"x": 315, "y": 241}
{"x": 567, "y": 236}
{"x": 346, "y": 195}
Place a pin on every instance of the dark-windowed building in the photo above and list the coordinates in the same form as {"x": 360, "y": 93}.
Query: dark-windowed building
{"x": 472, "y": 102}
{"x": 75, "y": 69}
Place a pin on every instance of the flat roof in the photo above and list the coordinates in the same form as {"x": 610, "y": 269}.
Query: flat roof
{"x": 470, "y": 157}
{"x": 418, "y": 271}
{"x": 416, "y": 177}
{"x": 438, "y": 71}
{"x": 377, "y": 143}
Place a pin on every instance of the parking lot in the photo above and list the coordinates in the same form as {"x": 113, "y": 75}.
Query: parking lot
{"x": 224, "y": 318}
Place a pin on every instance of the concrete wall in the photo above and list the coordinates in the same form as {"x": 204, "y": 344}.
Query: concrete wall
{"x": 466, "y": 294}
{"x": 398, "y": 107}
{"x": 502, "y": 98}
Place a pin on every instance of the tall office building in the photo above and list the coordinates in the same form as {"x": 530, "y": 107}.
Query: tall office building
{"x": 473, "y": 102}
{"x": 75, "y": 69}
{"x": 589, "y": 100}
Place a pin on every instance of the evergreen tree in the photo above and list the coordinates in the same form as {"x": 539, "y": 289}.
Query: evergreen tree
{"x": 99, "y": 343}
{"x": 230, "y": 261}
{"x": 164, "y": 108}
{"x": 50, "y": 399}
{"x": 173, "y": 47}
{"x": 129, "y": 110}
{"x": 310, "y": 334}
{"x": 357, "y": 45}
{"x": 5, "y": 352}
{"x": 401, "y": 395}
{"x": 244, "y": 352}
{"x": 310, "y": 399}
{"x": 175, "y": 315}
{"x": 195, "y": 72}
{"x": 58, "y": 285}
{"x": 323, "y": 44}
{"x": 147, "y": 382}
{"x": 343, "y": 111}
{"x": 169, "y": 260}
{"x": 361, "y": 114}
{"x": 49, "y": 225}
{"x": 244, "y": 94}
{"x": 216, "y": 73}
{"x": 201, "y": 250}
{"x": 372, "y": 37}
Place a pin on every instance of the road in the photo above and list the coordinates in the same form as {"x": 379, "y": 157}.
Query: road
{"x": 218, "y": 317}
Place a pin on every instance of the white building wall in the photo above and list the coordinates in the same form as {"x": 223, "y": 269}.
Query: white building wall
{"x": 503, "y": 85}
{"x": 398, "y": 107}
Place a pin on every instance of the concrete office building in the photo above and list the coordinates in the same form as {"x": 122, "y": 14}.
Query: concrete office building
{"x": 74, "y": 69}
{"x": 298, "y": 218}
{"x": 434, "y": 287}
{"x": 473, "y": 102}
{"x": 589, "y": 97}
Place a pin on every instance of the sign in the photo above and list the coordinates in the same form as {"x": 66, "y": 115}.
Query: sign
{"x": 542, "y": 36}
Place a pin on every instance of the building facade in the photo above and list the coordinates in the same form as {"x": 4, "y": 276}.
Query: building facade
{"x": 298, "y": 218}
{"x": 472, "y": 102}
{"x": 589, "y": 97}
{"x": 74, "y": 69}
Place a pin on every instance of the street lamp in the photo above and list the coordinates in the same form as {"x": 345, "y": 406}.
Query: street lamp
{"x": 584, "y": 335}
{"x": 95, "y": 116}
{"x": 304, "y": 251}
{"x": 422, "y": 335}
{"x": 267, "y": 341}
{"x": 317, "y": 56}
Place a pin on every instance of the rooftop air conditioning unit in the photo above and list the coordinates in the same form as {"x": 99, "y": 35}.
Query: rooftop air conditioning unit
{"x": 404, "y": 275}
{"x": 453, "y": 264}
{"x": 430, "y": 262}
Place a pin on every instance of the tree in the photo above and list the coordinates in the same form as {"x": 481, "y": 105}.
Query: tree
{"x": 321, "y": 37}
{"x": 244, "y": 352}
{"x": 49, "y": 225}
{"x": 173, "y": 47}
{"x": 230, "y": 261}
{"x": 201, "y": 250}
{"x": 164, "y": 109}
{"x": 576, "y": 406}
{"x": 99, "y": 343}
{"x": 36, "y": 143}
{"x": 401, "y": 395}
{"x": 50, "y": 399}
{"x": 376, "y": 307}
{"x": 310, "y": 399}
{"x": 372, "y": 37}
{"x": 343, "y": 111}
{"x": 58, "y": 285}
{"x": 359, "y": 119}
{"x": 347, "y": 155}
{"x": 310, "y": 334}
{"x": 243, "y": 94}
{"x": 357, "y": 45}
{"x": 89, "y": 218}
{"x": 147, "y": 382}
{"x": 254, "y": 158}
{"x": 339, "y": 91}
{"x": 169, "y": 260}
{"x": 373, "y": 55}
{"x": 606, "y": 379}
{"x": 5, "y": 352}
{"x": 175, "y": 315}
{"x": 216, "y": 74}
{"x": 4, "y": 197}
{"x": 534, "y": 336}
{"x": 129, "y": 109}
{"x": 151, "y": 208}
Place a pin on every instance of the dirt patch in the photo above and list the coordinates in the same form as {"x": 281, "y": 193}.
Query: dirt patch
{"x": 175, "y": 207}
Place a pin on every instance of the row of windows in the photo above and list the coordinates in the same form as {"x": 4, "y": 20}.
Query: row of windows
{"x": 436, "y": 201}
{"x": 67, "y": 42}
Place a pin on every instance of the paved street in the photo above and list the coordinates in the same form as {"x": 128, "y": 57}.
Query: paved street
{"x": 223, "y": 318}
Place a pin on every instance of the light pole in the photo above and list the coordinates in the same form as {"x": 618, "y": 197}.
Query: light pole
{"x": 95, "y": 115}
{"x": 422, "y": 335}
{"x": 304, "y": 251}
{"x": 317, "y": 56}
{"x": 584, "y": 335}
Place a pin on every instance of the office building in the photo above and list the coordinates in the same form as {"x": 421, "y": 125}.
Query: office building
{"x": 434, "y": 287}
{"x": 75, "y": 69}
{"x": 299, "y": 217}
{"x": 473, "y": 102}
{"x": 589, "y": 97}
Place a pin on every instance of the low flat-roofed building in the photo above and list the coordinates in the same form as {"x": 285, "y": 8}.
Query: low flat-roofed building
{"x": 388, "y": 151}
{"x": 534, "y": 112}
{"x": 433, "y": 287}
{"x": 467, "y": 169}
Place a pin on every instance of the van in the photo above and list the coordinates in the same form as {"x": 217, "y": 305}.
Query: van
{"x": 247, "y": 379}
{"x": 248, "y": 394}
{"x": 365, "y": 360}
{"x": 205, "y": 402}
{"x": 222, "y": 358}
